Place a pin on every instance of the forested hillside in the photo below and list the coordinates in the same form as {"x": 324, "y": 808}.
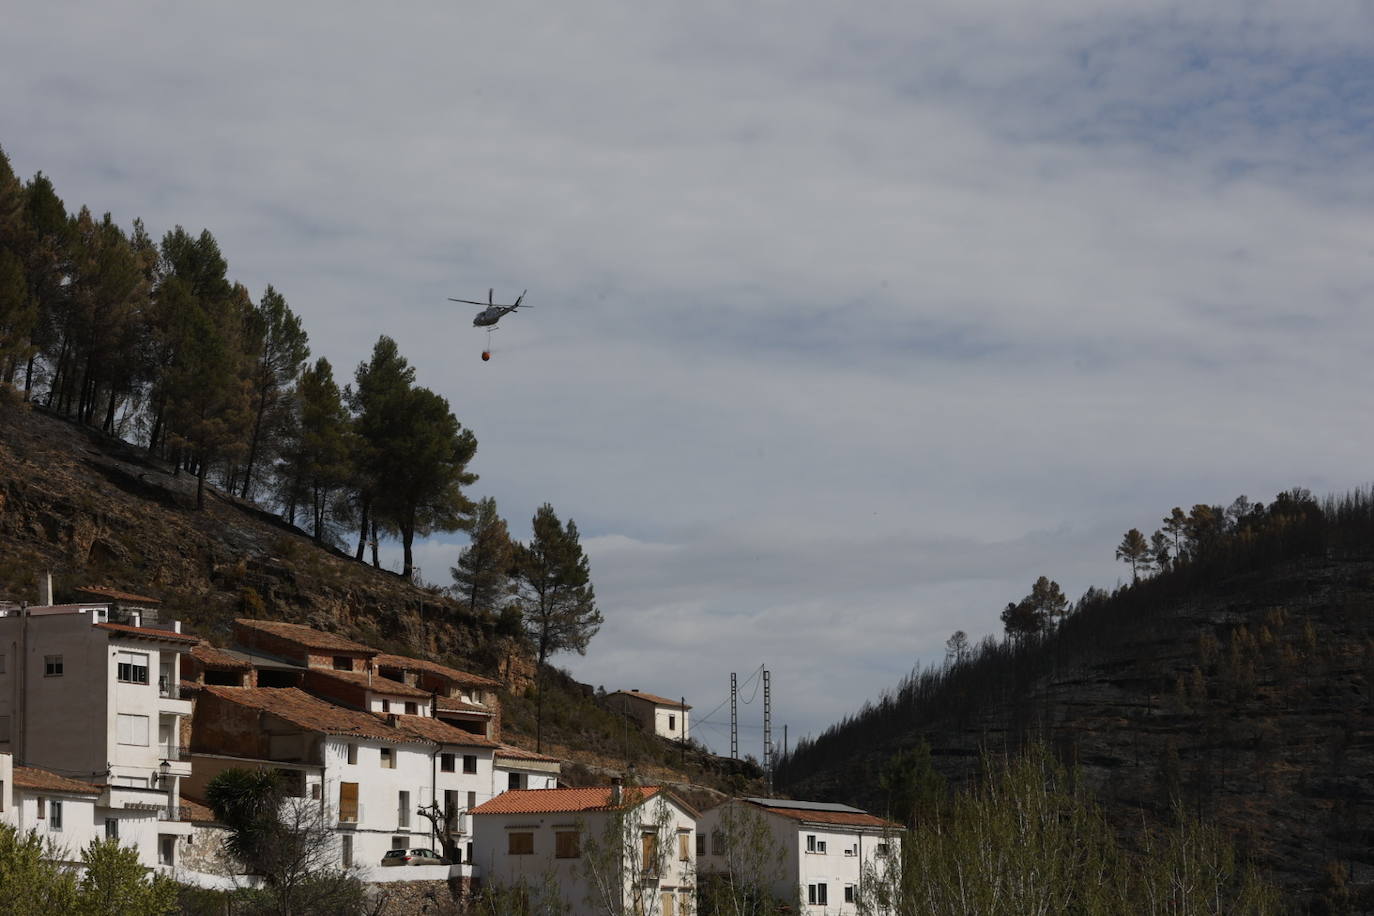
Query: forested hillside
{"x": 149, "y": 341}
{"x": 1237, "y": 681}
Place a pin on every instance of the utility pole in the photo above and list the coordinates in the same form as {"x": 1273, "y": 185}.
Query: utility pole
{"x": 734, "y": 718}
{"x": 768, "y": 728}
{"x": 682, "y": 723}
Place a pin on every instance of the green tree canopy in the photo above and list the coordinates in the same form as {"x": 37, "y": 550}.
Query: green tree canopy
{"x": 482, "y": 575}
{"x": 1135, "y": 550}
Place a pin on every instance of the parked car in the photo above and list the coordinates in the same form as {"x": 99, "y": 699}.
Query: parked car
{"x": 414, "y": 857}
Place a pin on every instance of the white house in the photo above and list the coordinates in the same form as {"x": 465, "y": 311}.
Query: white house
{"x": 91, "y": 692}
{"x": 585, "y": 847}
{"x": 816, "y": 854}
{"x": 656, "y": 715}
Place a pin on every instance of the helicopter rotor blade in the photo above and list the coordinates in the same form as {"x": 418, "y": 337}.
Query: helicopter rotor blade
{"x": 465, "y": 301}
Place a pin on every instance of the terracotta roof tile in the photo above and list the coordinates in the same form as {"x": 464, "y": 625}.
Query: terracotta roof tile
{"x": 312, "y": 714}
{"x": 48, "y": 781}
{"x": 116, "y": 595}
{"x": 198, "y": 812}
{"x": 309, "y": 637}
{"x": 420, "y": 664}
{"x": 213, "y": 657}
{"x": 440, "y": 732}
{"x": 147, "y": 632}
{"x": 558, "y": 801}
{"x": 652, "y": 698}
{"x": 371, "y": 681}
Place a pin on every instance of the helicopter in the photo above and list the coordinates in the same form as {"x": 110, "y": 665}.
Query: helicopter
{"x": 493, "y": 312}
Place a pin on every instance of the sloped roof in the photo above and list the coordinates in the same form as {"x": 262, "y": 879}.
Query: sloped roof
{"x": 116, "y": 595}
{"x": 48, "y": 781}
{"x": 420, "y": 664}
{"x": 308, "y": 637}
{"x": 837, "y": 815}
{"x": 372, "y": 682}
{"x": 440, "y": 732}
{"x": 198, "y": 812}
{"x": 301, "y": 709}
{"x": 451, "y": 704}
{"x": 558, "y": 801}
{"x": 651, "y": 698}
{"x": 511, "y": 752}
{"x": 147, "y": 633}
{"x": 215, "y": 657}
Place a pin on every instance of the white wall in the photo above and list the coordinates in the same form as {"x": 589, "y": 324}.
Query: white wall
{"x": 570, "y": 876}
{"x": 799, "y": 869}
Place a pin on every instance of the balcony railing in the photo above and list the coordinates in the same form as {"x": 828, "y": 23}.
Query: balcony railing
{"x": 168, "y": 688}
{"x": 172, "y": 752}
{"x": 178, "y": 813}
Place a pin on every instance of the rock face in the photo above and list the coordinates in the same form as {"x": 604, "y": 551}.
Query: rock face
{"x": 1249, "y": 699}
{"x": 97, "y": 511}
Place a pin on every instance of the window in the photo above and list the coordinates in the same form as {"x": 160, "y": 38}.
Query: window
{"x": 849, "y": 893}
{"x": 400, "y": 842}
{"x": 666, "y": 900}
{"x": 881, "y": 849}
{"x": 346, "y": 846}
{"x": 343, "y": 663}
{"x": 820, "y": 847}
{"x": 166, "y": 849}
{"x": 514, "y": 781}
{"x": 450, "y": 803}
{"x": 815, "y": 894}
{"x": 672, "y": 723}
{"x": 520, "y": 844}
{"x": 352, "y": 753}
{"x": 469, "y": 763}
{"x": 472, "y": 800}
{"x": 648, "y": 849}
{"x": 316, "y": 791}
{"x": 348, "y": 802}
{"x": 55, "y": 814}
{"x": 717, "y": 843}
{"x": 2, "y": 795}
{"x": 403, "y": 810}
{"x": 52, "y": 666}
{"x": 566, "y": 845}
{"x": 42, "y": 807}
{"x": 111, "y": 828}
{"x": 386, "y": 706}
{"x": 388, "y": 757}
{"x": 132, "y": 667}
{"x": 701, "y": 844}
{"x": 412, "y": 709}
{"x": 132, "y": 730}
{"x": 446, "y": 763}
{"x": 810, "y": 842}
{"x": 684, "y": 847}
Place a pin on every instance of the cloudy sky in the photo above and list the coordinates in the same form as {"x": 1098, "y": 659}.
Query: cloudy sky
{"x": 846, "y": 323}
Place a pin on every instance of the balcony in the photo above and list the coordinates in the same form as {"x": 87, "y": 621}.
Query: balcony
{"x": 170, "y": 701}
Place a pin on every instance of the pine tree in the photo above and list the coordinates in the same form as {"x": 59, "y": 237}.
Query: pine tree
{"x": 379, "y": 388}
{"x": 483, "y": 571}
{"x": 322, "y": 448}
{"x": 1135, "y": 550}
{"x": 556, "y": 595}
{"x": 424, "y": 469}
{"x": 280, "y": 348}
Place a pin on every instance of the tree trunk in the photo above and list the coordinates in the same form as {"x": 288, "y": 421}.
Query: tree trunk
{"x": 362, "y": 530}
{"x": 407, "y": 538}
{"x": 253, "y": 447}
{"x": 376, "y": 564}
{"x": 200, "y": 486}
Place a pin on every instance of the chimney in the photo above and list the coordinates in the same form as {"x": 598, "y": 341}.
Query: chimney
{"x": 617, "y": 791}
{"x": 45, "y": 589}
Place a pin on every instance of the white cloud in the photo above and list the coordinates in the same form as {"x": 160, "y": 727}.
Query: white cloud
{"x": 846, "y": 323}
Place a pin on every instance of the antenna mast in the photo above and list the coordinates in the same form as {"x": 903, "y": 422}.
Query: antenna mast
{"x": 734, "y": 718}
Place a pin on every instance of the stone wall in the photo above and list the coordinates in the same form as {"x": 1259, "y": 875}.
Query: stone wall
{"x": 435, "y": 898}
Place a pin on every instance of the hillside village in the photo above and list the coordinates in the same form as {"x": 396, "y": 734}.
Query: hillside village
{"x": 114, "y": 721}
